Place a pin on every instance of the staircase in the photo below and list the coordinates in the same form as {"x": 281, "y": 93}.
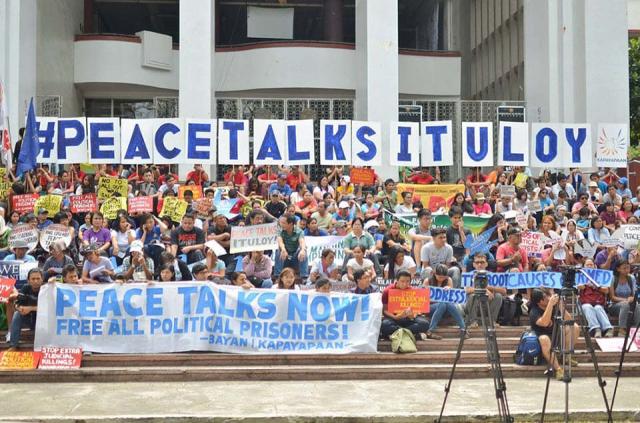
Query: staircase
{"x": 432, "y": 361}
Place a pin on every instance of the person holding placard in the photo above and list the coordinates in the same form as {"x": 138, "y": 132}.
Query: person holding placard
{"x": 593, "y": 300}
{"x": 621, "y": 295}
{"x": 437, "y": 311}
{"x": 26, "y": 306}
{"x": 407, "y": 318}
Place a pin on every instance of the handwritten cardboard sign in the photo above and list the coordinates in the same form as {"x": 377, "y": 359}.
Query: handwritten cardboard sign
{"x": 24, "y": 203}
{"x": 112, "y": 187}
{"x": 196, "y": 190}
{"x": 110, "y": 207}
{"x": 140, "y": 204}
{"x": 19, "y": 360}
{"x": 534, "y": 206}
{"x": 507, "y": 191}
{"x": 84, "y": 203}
{"x": 5, "y": 186}
{"x": 362, "y": 176}
{"x": 60, "y": 358}
{"x": 51, "y": 203}
{"x": 174, "y": 208}
{"x": 254, "y": 238}
{"x": 415, "y": 299}
{"x": 532, "y": 243}
{"x": 24, "y": 233}
{"x": 202, "y": 206}
{"x": 6, "y": 288}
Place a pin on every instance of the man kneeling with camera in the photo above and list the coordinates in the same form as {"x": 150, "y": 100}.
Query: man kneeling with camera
{"x": 26, "y": 306}
{"x": 541, "y": 314}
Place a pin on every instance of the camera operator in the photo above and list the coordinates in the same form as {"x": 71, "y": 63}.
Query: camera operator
{"x": 494, "y": 294}
{"x": 541, "y": 313}
{"x": 26, "y": 305}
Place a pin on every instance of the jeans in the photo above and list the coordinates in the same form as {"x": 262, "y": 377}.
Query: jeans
{"x": 293, "y": 262}
{"x": 418, "y": 325}
{"x": 439, "y": 309}
{"x": 622, "y": 311}
{"x": 494, "y": 307}
{"x": 453, "y": 273}
{"x": 194, "y": 256}
{"x": 18, "y": 322}
{"x": 596, "y": 317}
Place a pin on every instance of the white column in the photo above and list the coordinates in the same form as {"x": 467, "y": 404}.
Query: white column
{"x": 377, "y": 69}
{"x": 18, "y": 57}
{"x": 197, "y": 45}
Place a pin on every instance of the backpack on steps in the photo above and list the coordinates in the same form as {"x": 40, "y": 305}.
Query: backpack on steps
{"x": 528, "y": 352}
{"x": 403, "y": 341}
{"x": 508, "y": 312}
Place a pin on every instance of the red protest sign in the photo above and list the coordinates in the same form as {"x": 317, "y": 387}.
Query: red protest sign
{"x": 203, "y": 205}
{"x": 19, "y": 360}
{"x": 362, "y": 176}
{"x": 84, "y": 203}
{"x": 60, "y": 358}
{"x": 23, "y": 203}
{"x": 415, "y": 299}
{"x": 6, "y": 288}
{"x": 140, "y": 204}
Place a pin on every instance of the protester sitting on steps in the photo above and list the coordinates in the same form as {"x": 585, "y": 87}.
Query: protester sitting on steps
{"x": 407, "y": 318}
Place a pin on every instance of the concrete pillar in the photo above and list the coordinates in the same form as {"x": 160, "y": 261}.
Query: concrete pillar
{"x": 333, "y": 30}
{"x": 18, "y": 18}
{"x": 576, "y": 61}
{"x": 377, "y": 70}
{"x": 197, "y": 45}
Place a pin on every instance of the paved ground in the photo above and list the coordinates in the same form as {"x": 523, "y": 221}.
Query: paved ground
{"x": 334, "y": 401}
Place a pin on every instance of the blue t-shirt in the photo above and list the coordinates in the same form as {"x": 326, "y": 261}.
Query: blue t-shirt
{"x": 154, "y": 235}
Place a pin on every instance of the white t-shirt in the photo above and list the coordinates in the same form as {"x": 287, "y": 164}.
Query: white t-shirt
{"x": 435, "y": 255}
{"x": 407, "y": 264}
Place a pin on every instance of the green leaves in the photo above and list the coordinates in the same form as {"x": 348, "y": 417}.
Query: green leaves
{"x": 634, "y": 96}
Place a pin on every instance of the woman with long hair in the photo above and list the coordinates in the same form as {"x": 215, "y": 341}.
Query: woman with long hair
{"x": 287, "y": 279}
{"x": 399, "y": 260}
{"x": 460, "y": 201}
{"x": 440, "y": 279}
{"x": 597, "y": 233}
{"x": 593, "y": 300}
{"x": 621, "y": 295}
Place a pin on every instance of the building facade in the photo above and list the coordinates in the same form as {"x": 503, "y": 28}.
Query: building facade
{"x": 323, "y": 59}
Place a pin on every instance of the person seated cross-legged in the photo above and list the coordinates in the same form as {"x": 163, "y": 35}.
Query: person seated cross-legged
{"x": 407, "y": 318}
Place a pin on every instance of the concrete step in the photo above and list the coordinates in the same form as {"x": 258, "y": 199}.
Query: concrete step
{"x": 220, "y": 359}
{"x": 295, "y": 372}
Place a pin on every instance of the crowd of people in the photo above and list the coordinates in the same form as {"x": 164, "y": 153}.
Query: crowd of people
{"x": 573, "y": 212}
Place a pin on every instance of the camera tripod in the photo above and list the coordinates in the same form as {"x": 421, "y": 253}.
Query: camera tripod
{"x": 480, "y": 300}
{"x": 626, "y": 345}
{"x": 570, "y": 305}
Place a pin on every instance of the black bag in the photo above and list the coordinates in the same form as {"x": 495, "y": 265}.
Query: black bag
{"x": 508, "y": 310}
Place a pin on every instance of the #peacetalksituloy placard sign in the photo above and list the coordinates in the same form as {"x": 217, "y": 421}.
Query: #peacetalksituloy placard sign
{"x": 254, "y": 238}
{"x": 204, "y": 316}
{"x": 515, "y": 280}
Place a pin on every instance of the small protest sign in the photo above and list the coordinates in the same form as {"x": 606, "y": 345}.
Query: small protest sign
{"x": 110, "y": 207}
{"x": 480, "y": 243}
{"x": 60, "y": 358}
{"x": 584, "y": 248}
{"x": 522, "y": 220}
{"x": 112, "y": 187}
{"x": 196, "y": 190}
{"x": 5, "y": 186}
{"x": 217, "y": 249}
{"x": 51, "y": 203}
{"x": 24, "y": 234}
{"x": 6, "y": 288}
{"x": 84, "y": 203}
{"x": 17, "y": 270}
{"x": 140, "y": 204}
{"x": 628, "y": 234}
{"x": 19, "y": 360}
{"x": 534, "y": 206}
{"x": 202, "y": 206}
{"x": 24, "y": 203}
{"x": 53, "y": 233}
{"x": 531, "y": 242}
{"x": 611, "y": 242}
{"x": 507, "y": 191}
{"x": 316, "y": 244}
{"x": 342, "y": 286}
{"x": 382, "y": 283}
{"x": 253, "y": 238}
{"x": 362, "y": 176}
{"x": 174, "y": 208}
{"x": 415, "y": 299}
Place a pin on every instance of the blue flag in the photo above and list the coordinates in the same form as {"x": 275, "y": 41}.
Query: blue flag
{"x": 480, "y": 244}
{"x": 29, "y": 151}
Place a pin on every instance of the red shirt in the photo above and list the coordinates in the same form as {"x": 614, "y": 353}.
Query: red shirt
{"x": 197, "y": 177}
{"x": 505, "y": 250}
{"x": 163, "y": 178}
{"x": 421, "y": 178}
{"x": 294, "y": 180}
{"x": 238, "y": 178}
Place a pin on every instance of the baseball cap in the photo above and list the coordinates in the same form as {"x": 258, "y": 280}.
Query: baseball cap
{"x": 42, "y": 210}
{"x": 343, "y": 205}
{"x": 371, "y": 224}
{"x": 593, "y": 184}
{"x": 136, "y": 246}
{"x": 514, "y": 231}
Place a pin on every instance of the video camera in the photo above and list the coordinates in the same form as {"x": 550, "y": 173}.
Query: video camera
{"x": 480, "y": 279}
{"x": 569, "y": 276}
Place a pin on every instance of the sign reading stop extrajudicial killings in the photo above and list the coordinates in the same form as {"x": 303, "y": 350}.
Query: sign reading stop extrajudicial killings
{"x": 342, "y": 142}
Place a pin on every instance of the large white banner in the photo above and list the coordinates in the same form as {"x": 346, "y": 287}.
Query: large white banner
{"x": 191, "y": 316}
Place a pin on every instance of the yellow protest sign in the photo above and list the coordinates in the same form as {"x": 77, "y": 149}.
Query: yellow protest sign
{"x": 3, "y": 172}
{"x": 112, "y": 187}
{"x": 174, "y": 208}
{"x": 51, "y": 203}
{"x": 432, "y": 197}
{"x": 110, "y": 207}
{"x": 4, "y": 189}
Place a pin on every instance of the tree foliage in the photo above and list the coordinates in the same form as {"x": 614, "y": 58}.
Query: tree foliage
{"x": 634, "y": 90}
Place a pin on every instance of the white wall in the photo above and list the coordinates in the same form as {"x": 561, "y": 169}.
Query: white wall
{"x": 633, "y": 10}
{"x": 58, "y": 22}
{"x": 118, "y": 62}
